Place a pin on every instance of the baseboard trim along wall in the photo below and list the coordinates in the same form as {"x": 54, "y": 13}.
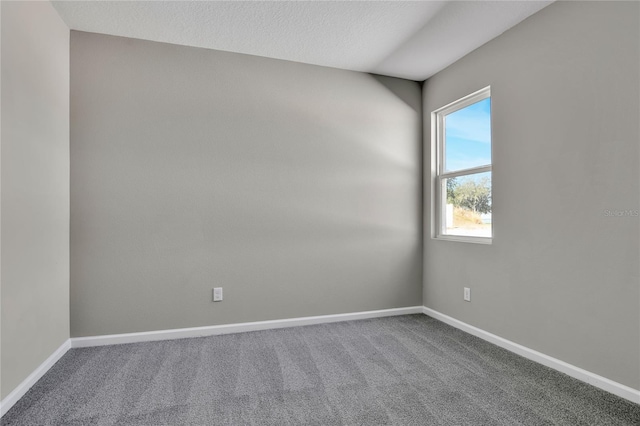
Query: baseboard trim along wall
{"x": 31, "y": 380}
{"x": 181, "y": 333}
{"x": 603, "y": 383}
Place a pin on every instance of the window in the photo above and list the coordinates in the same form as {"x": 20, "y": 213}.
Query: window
{"x": 461, "y": 138}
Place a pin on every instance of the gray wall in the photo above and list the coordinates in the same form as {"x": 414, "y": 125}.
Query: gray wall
{"x": 560, "y": 277}
{"x": 35, "y": 188}
{"x": 295, "y": 187}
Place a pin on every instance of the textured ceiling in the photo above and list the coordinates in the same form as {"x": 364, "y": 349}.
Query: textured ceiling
{"x": 404, "y": 39}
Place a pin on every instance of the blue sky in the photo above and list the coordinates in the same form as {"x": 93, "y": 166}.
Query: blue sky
{"x": 468, "y": 137}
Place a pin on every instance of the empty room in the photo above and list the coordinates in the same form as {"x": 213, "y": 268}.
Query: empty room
{"x": 320, "y": 213}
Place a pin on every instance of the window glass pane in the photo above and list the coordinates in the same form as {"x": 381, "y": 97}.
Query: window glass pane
{"x": 468, "y": 137}
{"x": 467, "y": 210}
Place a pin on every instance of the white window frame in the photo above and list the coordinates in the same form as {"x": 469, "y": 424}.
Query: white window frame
{"x": 438, "y": 174}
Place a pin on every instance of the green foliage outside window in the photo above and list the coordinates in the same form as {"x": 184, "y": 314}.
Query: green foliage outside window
{"x": 470, "y": 194}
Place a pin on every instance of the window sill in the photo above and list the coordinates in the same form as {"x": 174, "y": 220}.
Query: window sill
{"x": 464, "y": 239}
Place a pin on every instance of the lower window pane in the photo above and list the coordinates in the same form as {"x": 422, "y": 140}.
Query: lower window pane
{"x": 468, "y": 205}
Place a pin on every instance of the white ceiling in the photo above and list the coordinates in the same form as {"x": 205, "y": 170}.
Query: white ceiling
{"x": 408, "y": 39}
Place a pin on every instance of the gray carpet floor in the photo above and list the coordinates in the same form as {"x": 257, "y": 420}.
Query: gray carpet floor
{"x": 407, "y": 370}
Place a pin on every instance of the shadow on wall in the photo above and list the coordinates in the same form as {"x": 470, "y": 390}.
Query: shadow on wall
{"x": 403, "y": 92}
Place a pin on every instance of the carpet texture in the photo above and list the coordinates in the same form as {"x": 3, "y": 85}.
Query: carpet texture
{"x": 407, "y": 370}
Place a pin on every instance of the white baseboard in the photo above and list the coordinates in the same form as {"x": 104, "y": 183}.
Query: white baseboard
{"x": 181, "y": 333}
{"x": 31, "y": 380}
{"x": 603, "y": 383}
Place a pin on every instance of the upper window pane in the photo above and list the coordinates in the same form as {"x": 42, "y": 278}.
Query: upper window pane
{"x": 468, "y": 137}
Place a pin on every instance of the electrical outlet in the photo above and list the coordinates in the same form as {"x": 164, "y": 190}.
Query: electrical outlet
{"x": 217, "y": 294}
{"x": 467, "y": 294}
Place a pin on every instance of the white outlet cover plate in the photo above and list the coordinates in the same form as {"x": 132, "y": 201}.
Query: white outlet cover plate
{"x": 217, "y": 294}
